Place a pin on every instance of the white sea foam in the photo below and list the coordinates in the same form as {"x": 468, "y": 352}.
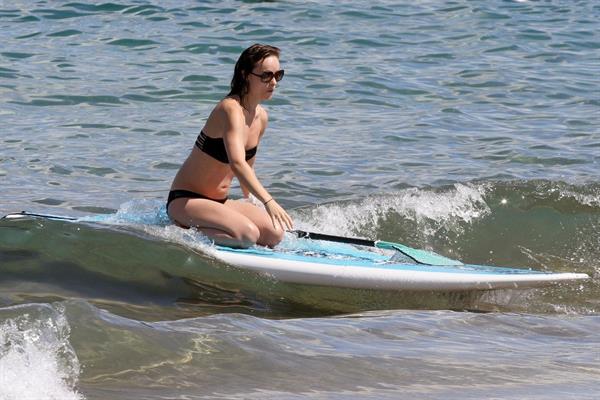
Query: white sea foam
{"x": 429, "y": 208}
{"x": 586, "y": 199}
{"x": 36, "y": 358}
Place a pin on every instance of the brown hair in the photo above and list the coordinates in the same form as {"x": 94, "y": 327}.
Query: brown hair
{"x": 246, "y": 63}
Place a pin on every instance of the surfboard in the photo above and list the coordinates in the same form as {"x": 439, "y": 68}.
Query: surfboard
{"x": 369, "y": 270}
{"x": 326, "y": 263}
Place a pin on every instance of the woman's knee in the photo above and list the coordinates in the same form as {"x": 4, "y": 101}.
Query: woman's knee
{"x": 247, "y": 233}
{"x": 270, "y": 236}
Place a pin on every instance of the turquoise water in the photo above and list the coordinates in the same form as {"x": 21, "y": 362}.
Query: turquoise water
{"x": 468, "y": 128}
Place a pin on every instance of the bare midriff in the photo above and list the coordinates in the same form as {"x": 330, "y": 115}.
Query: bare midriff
{"x": 203, "y": 174}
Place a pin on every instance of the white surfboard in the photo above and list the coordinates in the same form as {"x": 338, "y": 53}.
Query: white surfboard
{"x": 370, "y": 270}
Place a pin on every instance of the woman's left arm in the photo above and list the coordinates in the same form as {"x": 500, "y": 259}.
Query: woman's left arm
{"x": 245, "y": 190}
{"x": 264, "y": 121}
{"x": 278, "y": 215}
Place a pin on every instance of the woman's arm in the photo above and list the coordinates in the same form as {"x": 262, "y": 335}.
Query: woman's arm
{"x": 234, "y": 141}
{"x": 245, "y": 191}
{"x": 265, "y": 120}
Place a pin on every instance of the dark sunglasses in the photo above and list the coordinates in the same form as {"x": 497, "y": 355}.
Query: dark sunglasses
{"x": 268, "y": 75}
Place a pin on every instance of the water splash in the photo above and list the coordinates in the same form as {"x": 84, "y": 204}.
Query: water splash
{"x": 141, "y": 212}
{"x": 590, "y": 199}
{"x": 36, "y": 358}
{"x": 150, "y": 217}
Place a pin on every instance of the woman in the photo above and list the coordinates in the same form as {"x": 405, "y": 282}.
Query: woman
{"x": 225, "y": 148}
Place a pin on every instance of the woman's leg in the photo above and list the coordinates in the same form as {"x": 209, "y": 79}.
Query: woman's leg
{"x": 221, "y": 223}
{"x": 269, "y": 235}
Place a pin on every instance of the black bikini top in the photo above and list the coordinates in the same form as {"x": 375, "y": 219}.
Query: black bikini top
{"x": 215, "y": 148}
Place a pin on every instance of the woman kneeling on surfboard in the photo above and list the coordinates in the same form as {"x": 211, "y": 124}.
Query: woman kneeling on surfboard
{"x": 225, "y": 148}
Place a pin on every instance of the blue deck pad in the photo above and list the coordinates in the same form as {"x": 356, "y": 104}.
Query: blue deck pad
{"x": 314, "y": 251}
{"x": 326, "y": 249}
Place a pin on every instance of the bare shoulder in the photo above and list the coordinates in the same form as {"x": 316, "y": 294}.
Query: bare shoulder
{"x": 228, "y": 106}
{"x": 263, "y": 115}
{"x": 228, "y": 110}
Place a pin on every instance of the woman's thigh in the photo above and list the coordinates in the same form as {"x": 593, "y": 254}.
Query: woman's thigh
{"x": 269, "y": 235}
{"x": 224, "y": 224}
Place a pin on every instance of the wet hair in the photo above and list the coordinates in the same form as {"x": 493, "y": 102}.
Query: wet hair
{"x": 246, "y": 63}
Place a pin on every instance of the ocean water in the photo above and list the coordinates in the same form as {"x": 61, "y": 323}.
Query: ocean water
{"x": 471, "y": 128}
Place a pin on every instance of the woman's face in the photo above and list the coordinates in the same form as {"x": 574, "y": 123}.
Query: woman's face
{"x": 264, "y": 90}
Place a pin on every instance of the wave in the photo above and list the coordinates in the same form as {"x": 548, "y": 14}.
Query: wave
{"x": 136, "y": 262}
{"x": 120, "y": 357}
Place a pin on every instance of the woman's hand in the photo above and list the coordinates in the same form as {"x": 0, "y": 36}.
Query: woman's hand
{"x": 278, "y": 215}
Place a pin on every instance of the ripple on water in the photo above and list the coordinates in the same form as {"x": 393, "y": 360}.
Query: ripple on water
{"x": 418, "y": 77}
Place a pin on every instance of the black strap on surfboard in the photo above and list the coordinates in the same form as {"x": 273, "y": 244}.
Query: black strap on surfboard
{"x": 332, "y": 238}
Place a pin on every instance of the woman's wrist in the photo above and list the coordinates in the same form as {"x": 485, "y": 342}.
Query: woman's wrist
{"x": 265, "y": 202}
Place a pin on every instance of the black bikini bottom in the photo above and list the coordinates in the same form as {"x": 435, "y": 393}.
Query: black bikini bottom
{"x": 178, "y": 194}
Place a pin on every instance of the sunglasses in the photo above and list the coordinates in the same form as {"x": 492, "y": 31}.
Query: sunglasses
{"x": 268, "y": 75}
